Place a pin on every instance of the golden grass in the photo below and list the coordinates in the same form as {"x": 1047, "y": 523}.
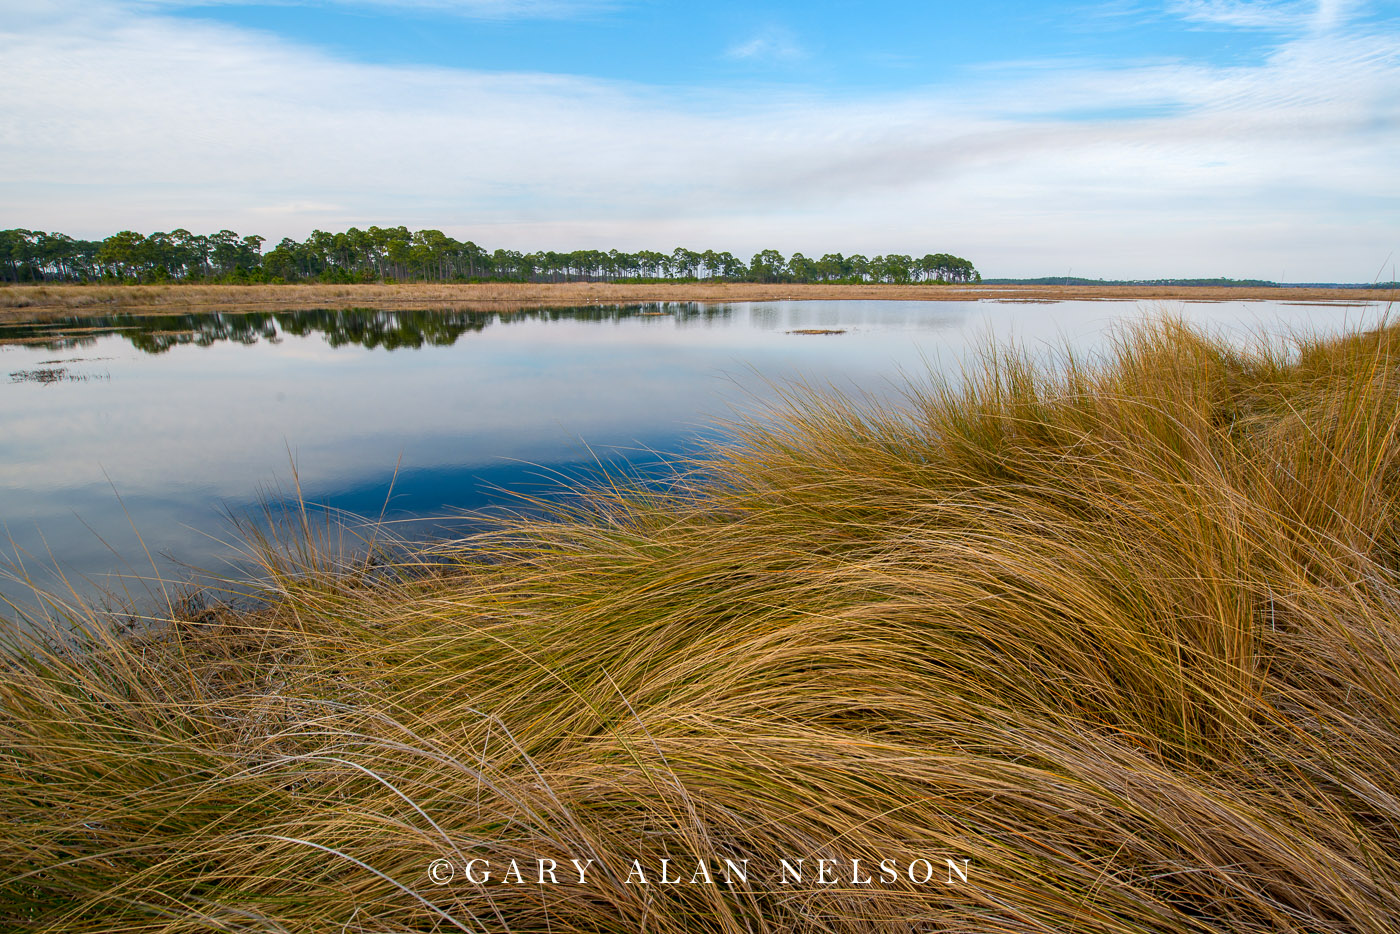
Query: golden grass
{"x": 1127, "y": 638}
{"x": 23, "y": 302}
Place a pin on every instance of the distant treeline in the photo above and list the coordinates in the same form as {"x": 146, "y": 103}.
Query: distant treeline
{"x": 395, "y": 254}
{"x": 1239, "y": 283}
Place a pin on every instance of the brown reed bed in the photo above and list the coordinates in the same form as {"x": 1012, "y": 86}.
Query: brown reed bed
{"x": 1120, "y": 640}
{"x": 24, "y": 302}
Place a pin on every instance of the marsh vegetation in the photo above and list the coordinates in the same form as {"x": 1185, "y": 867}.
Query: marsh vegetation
{"x": 22, "y": 303}
{"x": 1123, "y": 635}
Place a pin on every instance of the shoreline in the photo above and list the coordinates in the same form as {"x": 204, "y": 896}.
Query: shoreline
{"x": 25, "y": 303}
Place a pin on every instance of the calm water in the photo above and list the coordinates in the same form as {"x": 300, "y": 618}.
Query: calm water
{"x": 162, "y": 426}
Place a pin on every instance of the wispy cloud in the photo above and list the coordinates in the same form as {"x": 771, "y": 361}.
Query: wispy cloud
{"x": 1332, "y": 13}
{"x": 772, "y": 44}
{"x": 1292, "y": 16}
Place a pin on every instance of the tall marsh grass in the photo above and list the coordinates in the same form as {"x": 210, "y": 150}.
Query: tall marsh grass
{"x": 1124, "y": 636}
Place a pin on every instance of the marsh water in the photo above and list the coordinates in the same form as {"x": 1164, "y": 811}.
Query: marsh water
{"x": 126, "y": 443}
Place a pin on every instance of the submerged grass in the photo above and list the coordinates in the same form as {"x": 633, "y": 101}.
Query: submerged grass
{"x": 1123, "y": 636}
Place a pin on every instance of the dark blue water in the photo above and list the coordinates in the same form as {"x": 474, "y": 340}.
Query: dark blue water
{"x": 121, "y": 437}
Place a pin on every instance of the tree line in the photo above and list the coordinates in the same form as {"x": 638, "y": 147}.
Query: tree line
{"x": 394, "y": 254}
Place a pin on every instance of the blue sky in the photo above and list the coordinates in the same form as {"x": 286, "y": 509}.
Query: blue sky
{"x": 1119, "y": 138}
{"x": 841, "y": 48}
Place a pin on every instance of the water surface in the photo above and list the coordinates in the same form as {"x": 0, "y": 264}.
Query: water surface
{"x": 161, "y": 426}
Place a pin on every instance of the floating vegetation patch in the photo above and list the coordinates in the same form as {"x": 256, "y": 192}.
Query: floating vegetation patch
{"x": 818, "y": 331}
{"x": 54, "y": 374}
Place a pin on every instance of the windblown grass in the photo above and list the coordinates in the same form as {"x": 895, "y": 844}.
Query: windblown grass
{"x": 1124, "y": 636}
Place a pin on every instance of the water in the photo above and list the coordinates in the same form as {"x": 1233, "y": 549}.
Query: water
{"x": 161, "y": 427}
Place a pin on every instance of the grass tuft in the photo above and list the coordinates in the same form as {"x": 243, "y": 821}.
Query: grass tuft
{"x": 1124, "y": 635}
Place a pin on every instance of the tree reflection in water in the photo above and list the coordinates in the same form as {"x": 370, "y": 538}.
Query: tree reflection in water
{"x": 364, "y": 327}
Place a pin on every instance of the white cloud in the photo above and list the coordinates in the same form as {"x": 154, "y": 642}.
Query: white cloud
{"x": 117, "y": 120}
{"x": 299, "y": 209}
{"x": 1293, "y": 16}
{"x": 1330, "y": 14}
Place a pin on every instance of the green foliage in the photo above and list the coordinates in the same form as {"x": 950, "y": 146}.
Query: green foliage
{"x": 396, "y": 254}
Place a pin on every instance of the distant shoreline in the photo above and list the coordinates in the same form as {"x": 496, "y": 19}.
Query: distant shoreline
{"x": 37, "y": 302}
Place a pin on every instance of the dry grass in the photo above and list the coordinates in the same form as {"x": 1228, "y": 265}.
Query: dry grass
{"x": 1126, "y": 638}
{"x": 37, "y": 302}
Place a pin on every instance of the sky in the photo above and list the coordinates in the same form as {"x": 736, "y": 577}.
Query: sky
{"x": 1116, "y": 139}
